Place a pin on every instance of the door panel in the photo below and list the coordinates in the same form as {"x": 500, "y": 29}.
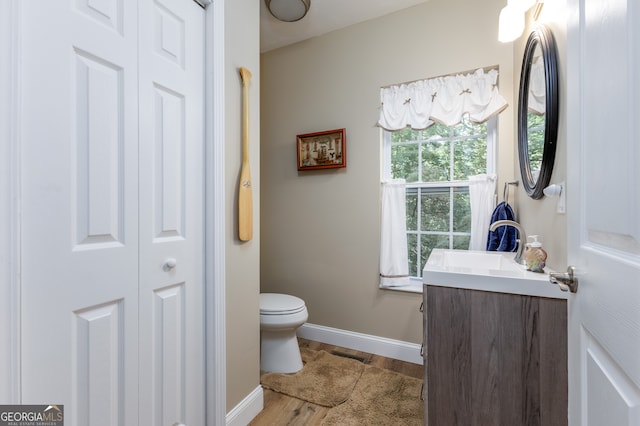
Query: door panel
{"x": 112, "y": 151}
{"x": 604, "y": 211}
{"x": 98, "y": 190}
{"x": 98, "y": 380}
{"x": 169, "y": 168}
{"x": 79, "y": 189}
{"x": 607, "y": 382}
{"x": 108, "y": 12}
{"x": 171, "y": 240}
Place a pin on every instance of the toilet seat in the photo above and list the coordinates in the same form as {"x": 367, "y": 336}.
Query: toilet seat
{"x": 280, "y": 304}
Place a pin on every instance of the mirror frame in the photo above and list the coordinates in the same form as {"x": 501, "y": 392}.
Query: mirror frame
{"x": 542, "y": 37}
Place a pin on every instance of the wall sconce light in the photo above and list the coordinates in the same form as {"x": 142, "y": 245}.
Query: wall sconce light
{"x": 511, "y": 21}
{"x": 288, "y": 10}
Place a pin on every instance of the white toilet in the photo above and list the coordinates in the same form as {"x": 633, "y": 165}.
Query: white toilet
{"x": 280, "y": 317}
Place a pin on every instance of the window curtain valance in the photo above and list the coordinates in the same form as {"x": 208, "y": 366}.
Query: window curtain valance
{"x": 443, "y": 99}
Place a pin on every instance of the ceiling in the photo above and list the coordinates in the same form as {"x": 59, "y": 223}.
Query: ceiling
{"x": 323, "y": 17}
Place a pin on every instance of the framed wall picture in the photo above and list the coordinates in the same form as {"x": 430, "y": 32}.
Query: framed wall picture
{"x": 322, "y": 150}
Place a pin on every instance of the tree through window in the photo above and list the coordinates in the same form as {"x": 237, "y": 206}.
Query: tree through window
{"x": 436, "y": 164}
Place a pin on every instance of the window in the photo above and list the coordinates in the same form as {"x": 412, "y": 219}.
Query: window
{"x": 436, "y": 164}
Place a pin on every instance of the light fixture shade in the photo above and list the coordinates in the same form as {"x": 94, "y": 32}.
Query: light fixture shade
{"x": 511, "y": 23}
{"x": 288, "y": 10}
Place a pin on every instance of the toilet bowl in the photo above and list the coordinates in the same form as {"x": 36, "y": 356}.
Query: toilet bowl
{"x": 280, "y": 317}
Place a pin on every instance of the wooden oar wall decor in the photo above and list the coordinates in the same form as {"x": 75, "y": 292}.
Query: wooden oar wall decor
{"x": 245, "y": 196}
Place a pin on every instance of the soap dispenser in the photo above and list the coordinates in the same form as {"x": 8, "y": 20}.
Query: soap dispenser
{"x": 535, "y": 257}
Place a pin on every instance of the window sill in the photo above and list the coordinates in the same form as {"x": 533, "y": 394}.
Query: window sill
{"x": 415, "y": 286}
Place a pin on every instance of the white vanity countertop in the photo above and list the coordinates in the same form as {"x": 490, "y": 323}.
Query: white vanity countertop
{"x": 486, "y": 271}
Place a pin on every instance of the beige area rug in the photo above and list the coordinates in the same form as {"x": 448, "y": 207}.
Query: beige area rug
{"x": 358, "y": 394}
{"x": 325, "y": 379}
{"x": 381, "y": 397}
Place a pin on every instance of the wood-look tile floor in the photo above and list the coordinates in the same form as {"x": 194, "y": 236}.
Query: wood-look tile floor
{"x": 280, "y": 410}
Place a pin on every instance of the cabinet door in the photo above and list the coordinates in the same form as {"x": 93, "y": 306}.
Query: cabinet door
{"x": 425, "y": 383}
{"x": 495, "y": 359}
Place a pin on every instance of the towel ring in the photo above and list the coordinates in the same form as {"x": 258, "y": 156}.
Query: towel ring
{"x": 505, "y": 192}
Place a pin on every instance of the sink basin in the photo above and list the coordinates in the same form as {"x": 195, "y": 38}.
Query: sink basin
{"x": 471, "y": 260}
{"x": 486, "y": 271}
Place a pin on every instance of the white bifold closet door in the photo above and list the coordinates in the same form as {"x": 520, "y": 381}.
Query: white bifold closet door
{"x": 112, "y": 212}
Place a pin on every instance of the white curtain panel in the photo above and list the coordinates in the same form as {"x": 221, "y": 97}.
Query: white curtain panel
{"x": 482, "y": 198}
{"x": 394, "y": 259}
{"x": 443, "y": 99}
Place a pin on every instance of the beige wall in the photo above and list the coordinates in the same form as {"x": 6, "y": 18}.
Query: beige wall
{"x": 539, "y": 217}
{"x": 320, "y": 230}
{"x": 242, "y": 260}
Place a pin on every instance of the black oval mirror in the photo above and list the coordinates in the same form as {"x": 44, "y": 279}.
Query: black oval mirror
{"x": 538, "y": 111}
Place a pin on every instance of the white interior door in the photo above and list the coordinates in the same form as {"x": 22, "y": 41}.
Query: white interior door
{"x": 79, "y": 132}
{"x": 106, "y": 202}
{"x": 171, "y": 212}
{"x": 604, "y": 211}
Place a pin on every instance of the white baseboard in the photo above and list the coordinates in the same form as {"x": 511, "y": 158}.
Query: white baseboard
{"x": 396, "y": 349}
{"x": 247, "y": 409}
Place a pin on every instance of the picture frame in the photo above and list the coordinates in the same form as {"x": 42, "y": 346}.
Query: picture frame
{"x": 322, "y": 150}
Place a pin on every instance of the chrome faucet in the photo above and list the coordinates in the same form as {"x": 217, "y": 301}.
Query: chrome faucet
{"x": 522, "y": 236}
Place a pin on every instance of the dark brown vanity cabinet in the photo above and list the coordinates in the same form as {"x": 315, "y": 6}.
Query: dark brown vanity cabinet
{"x": 494, "y": 358}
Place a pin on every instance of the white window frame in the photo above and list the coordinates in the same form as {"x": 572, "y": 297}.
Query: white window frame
{"x": 492, "y": 156}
